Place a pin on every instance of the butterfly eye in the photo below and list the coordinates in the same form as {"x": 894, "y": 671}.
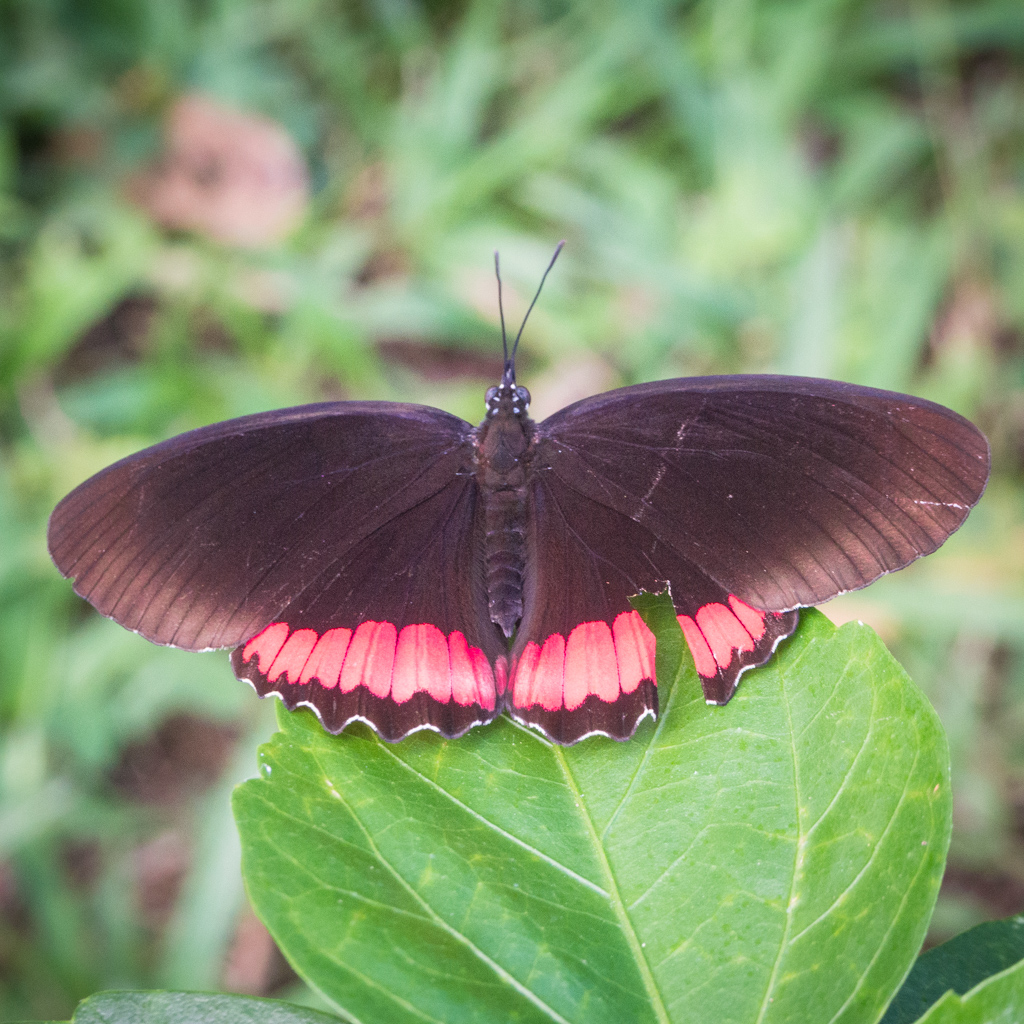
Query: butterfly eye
{"x": 523, "y": 396}
{"x": 492, "y": 394}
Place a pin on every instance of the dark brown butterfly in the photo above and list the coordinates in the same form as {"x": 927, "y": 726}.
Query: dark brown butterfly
{"x": 394, "y": 564}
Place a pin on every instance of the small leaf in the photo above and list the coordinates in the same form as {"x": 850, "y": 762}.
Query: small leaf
{"x": 773, "y": 860}
{"x": 191, "y": 1008}
{"x": 997, "y": 1000}
{"x": 959, "y": 964}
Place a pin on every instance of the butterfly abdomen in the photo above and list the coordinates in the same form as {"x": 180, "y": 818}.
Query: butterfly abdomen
{"x": 502, "y": 470}
{"x": 505, "y": 555}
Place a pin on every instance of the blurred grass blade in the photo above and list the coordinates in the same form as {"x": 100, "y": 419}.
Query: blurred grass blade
{"x": 25, "y": 818}
{"x": 207, "y": 912}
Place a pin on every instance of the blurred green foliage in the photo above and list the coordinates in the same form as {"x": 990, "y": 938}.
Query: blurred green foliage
{"x": 831, "y": 187}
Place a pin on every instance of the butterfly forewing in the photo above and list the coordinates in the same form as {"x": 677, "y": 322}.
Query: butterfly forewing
{"x": 754, "y": 493}
{"x": 331, "y": 517}
{"x": 783, "y": 490}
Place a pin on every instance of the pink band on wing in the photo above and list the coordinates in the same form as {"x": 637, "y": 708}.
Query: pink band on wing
{"x": 598, "y": 660}
{"x": 421, "y": 663}
{"x": 377, "y": 656}
{"x": 266, "y": 645}
{"x": 703, "y": 659}
{"x": 539, "y": 674}
{"x": 752, "y": 619}
{"x": 634, "y": 649}
{"x": 293, "y": 656}
{"x": 717, "y": 632}
{"x": 327, "y": 658}
{"x": 370, "y": 659}
{"x": 472, "y": 679}
{"x": 723, "y": 632}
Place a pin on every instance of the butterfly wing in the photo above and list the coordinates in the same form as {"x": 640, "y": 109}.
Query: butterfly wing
{"x": 748, "y": 496}
{"x": 333, "y": 544}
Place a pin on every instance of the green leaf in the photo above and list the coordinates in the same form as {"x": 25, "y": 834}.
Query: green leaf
{"x": 191, "y": 1008}
{"x": 773, "y": 860}
{"x": 960, "y": 964}
{"x": 998, "y": 1000}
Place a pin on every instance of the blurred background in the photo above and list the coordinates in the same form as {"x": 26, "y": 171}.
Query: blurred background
{"x": 214, "y": 207}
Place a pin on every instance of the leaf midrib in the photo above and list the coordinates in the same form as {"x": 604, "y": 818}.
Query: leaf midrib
{"x": 614, "y": 897}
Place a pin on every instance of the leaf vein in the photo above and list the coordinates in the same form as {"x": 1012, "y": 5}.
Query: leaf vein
{"x": 547, "y": 858}
{"x": 895, "y": 918}
{"x": 440, "y": 923}
{"x": 798, "y": 854}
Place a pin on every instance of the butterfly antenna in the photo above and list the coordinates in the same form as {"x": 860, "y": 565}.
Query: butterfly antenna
{"x": 501, "y": 308}
{"x": 515, "y": 344}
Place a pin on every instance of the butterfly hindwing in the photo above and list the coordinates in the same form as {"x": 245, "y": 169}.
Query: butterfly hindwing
{"x": 411, "y": 646}
{"x": 583, "y": 658}
{"x": 727, "y": 636}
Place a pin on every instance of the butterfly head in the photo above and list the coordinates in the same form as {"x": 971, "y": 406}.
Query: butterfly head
{"x": 507, "y": 398}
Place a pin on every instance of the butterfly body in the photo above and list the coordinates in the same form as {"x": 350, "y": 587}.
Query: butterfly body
{"x": 502, "y": 450}
{"x": 393, "y": 564}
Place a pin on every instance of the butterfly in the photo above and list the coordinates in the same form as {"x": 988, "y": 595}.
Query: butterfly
{"x": 395, "y": 565}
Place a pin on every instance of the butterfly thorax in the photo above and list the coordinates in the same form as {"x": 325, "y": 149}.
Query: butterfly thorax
{"x": 502, "y": 466}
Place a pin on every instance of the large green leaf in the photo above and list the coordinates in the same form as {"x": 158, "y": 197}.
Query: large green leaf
{"x": 997, "y": 1000}
{"x": 773, "y": 860}
{"x": 960, "y": 964}
{"x": 191, "y": 1008}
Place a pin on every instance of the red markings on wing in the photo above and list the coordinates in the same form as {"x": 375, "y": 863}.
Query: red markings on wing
{"x": 723, "y": 632}
{"x": 597, "y": 660}
{"x": 473, "y": 680}
{"x": 703, "y": 659}
{"x": 292, "y": 659}
{"x": 634, "y": 649}
{"x": 421, "y": 663}
{"x": 370, "y": 659}
{"x": 328, "y": 656}
{"x": 590, "y": 664}
{"x": 751, "y": 618}
{"x": 377, "y": 656}
{"x": 718, "y": 632}
{"x": 266, "y": 645}
{"x": 538, "y": 674}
